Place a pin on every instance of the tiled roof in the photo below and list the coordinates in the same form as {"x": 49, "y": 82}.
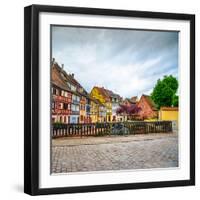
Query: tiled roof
{"x": 150, "y": 102}
{"x": 130, "y": 101}
{"x": 169, "y": 108}
{"x": 134, "y": 99}
{"x": 59, "y": 77}
{"x": 112, "y": 94}
{"x": 103, "y": 93}
{"x": 107, "y": 94}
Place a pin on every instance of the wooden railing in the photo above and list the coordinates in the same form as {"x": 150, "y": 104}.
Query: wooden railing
{"x": 117, "y": 128}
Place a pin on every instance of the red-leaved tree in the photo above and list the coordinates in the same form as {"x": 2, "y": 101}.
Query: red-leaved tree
{"x": 128, "y": 110}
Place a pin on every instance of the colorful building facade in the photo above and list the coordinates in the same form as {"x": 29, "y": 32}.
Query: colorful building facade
{"x": 75, "y": 109}
{"x": 148, "y": 108}
{"x": 61, "y": 104}
{"x": 82, "y": 118}
{"x": 101, "y": 112}
{"x": 169, "y": 113}
{"x": 61, "y": 97}
{"x": 94, "y": 110}
{"x": 109, "y": 100}
{"x": 72, "y": 104}
{"x": 69, "y": 99}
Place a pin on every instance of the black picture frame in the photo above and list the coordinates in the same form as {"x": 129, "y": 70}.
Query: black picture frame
{"x": 31, "y": 98}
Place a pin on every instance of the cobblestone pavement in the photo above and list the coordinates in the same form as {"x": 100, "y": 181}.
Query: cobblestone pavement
{"x": 114, "y": 153}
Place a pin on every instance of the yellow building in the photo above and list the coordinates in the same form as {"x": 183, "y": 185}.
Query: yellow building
{"x": 108, "y": 106}
{"x": 94, "y": 110}
{"x": 82, "y": 117}
{"x": 168, "y": 113}
{"x": 102, "y": 113}
{"x": 101, "y": 95}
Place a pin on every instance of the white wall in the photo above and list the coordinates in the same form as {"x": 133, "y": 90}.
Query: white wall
{"x": 11, "y": 100}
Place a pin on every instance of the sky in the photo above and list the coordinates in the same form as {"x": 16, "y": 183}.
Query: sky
{"x": 128, "y": 62}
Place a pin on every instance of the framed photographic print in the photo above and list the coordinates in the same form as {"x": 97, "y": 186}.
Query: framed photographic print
{"x": 109, "y": 99}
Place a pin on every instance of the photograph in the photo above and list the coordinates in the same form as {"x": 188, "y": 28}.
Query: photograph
{"x": 109, "y": 99}
{"x": 114, "y": 99}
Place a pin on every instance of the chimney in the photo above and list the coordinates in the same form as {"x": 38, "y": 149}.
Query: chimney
{"x": 72, "y": 75}
{"x": 62, "y": 66}
{"x": 53, "y": 60}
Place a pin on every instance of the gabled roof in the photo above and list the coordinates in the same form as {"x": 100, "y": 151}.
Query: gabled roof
{"x": 112, "y": 94}
{"x": 66, "y": 76}
{"x": 60, "y": 77}
{"x": 57, "y": 79}
{"x": 150, "y": 102}
{"x": 134, "y": 99}
{"x": 102, "y": 92}
{"x": 107, "y": 94}
{"x": 129, "y": 100}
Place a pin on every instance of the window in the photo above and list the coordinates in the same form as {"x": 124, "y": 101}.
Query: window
{"x": 69, "y": 85}
{"x": 73, "y": 107}
{"x": 81, "y": 89}
{"x": 77, "y": 108}
{"x": 73, "y": 88}
{"x": 57, "y": 92}
{"x": 53, "y": 91}
{"x": 60, "y": 105}
{"x": 82, "y": 107}
{"x": 68, "y": 119}
{"x": 63, "y": 93}
{"x": 65, "y": 106}
{"x": 73, "y": 97}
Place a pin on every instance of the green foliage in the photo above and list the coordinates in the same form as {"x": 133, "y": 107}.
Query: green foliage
{"x": 164, "y": 91}
{"x": 171, "y": 82}
{"x": 175, "y": 101}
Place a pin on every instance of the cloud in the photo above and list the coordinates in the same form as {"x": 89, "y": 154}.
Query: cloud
{"x": 129, "y": 62}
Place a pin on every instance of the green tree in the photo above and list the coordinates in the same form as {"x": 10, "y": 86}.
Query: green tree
{"x": 171, "y": 82}
{"x": 164, "y": 91}
{"x": 175, "y": 100}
